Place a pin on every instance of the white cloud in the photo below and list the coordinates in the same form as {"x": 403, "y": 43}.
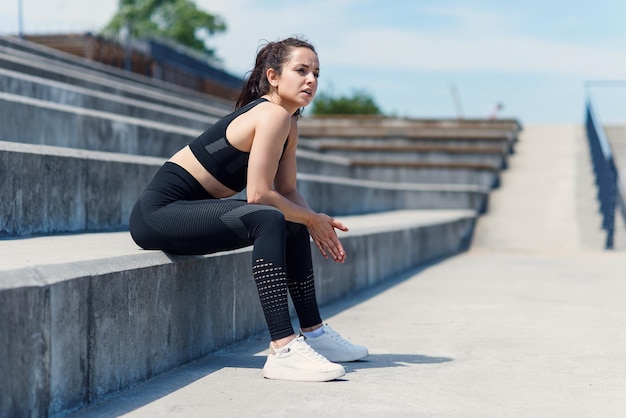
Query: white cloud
{"x": 461, "y": 39}
{"x": 467, "y": 40}
{"x": 438, "y": 41}
{"x": 510, "y": 53}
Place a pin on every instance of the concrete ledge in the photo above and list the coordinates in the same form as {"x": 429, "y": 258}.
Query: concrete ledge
{"x": 384, "y": 152}
{"x": 321, "y": 123}
{"x": 98, "y": 81}
{"x": 40, "y": 88}
{"x": 56, "y": 190}
{"x": 341, "y": 196}
{"x": 40, "y": 122}
{"x": 427, "y": 140}
{"x": 83, "y": 329}
{"x": 32, "y": 51}
{"x": 360, "y": 128}
{"x": 59, "y": 190}
{"x": 430, "y": 173}
{"x": 25, "y": 120}
{"x": 444, "y": 174}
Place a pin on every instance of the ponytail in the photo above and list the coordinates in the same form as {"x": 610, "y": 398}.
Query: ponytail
{"x": 272, "y": 55}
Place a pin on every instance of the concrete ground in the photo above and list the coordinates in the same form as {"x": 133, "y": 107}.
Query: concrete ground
{"x": 528, "y": 323}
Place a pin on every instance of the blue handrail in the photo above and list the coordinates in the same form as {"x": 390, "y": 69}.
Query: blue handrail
{"x": 604, "y": 168}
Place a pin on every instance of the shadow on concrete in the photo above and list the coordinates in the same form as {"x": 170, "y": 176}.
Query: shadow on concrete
{"x": 250, "y": 354}
{"x": 379, "y": 361}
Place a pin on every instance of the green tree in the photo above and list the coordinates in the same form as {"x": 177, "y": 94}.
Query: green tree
{"x": 360, "y": 103}
{"x": 177, "y": 20}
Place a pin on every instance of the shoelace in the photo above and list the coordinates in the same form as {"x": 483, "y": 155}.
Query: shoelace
{"x": 307, "y": 350}
{"x": 335, "y": 336}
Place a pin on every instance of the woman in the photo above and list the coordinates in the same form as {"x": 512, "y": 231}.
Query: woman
{"x": 184, "y": 210}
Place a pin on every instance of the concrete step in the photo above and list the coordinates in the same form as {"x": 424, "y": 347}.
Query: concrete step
{"x": 52, "y": 70}
{"x": 512, "y": 327}
{"x": 72, "y": 126}
{"x": 347, "y": 126}
{"x": 368, "y": 131}
{"x": 90, "y": 315}
{"x": 429, "y": 173}
{"x": 424, "y": 137}
{"x": 385, "y": 152}
{"x": 486, "y": 177}
{"x": 40, "y": 88}
{"x": 478, "y": 335}
{"x": 78, "y": 309}
{"x": 53, "y": 57}
{"x": 59, "y": 190}
{"x": 36, "y": 121}
{"x": 430, "y": 139}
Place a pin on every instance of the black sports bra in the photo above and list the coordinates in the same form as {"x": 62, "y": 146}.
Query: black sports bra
{"x": 225, "y": 162}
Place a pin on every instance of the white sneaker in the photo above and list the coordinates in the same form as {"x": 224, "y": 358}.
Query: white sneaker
{"x": 298, "y": 361}
{"x": 335, "y": 348}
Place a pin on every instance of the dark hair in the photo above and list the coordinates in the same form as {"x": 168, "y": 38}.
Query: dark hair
{"x": 272, "y": 55}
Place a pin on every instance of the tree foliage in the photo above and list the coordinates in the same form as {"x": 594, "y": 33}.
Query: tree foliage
{"x": 360, "y": 103}
{"x": 177, "y": 20}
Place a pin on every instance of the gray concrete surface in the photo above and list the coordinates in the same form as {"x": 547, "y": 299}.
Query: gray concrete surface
{"x": 549, "y": 191}
{"x": 61, "y": 190}
{"x": 97, "y": 80}
{"x": 528, "y": 323}
{"x": 505, "y": 144}
{"x": 85, "y": 316}
{"x": 26, "y": 85}
{"x": 495, "y": 160}
{"x": 35, "y": 121}
{"x": 73, "y": 248}
{"x": 479, "y": 335}
{"x": 360, "y": 126}
{"x": 54, "y": 58}
{"x": 434, "y": 174}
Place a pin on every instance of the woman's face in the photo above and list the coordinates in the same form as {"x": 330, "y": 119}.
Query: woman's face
{"x": 297, "y": 82}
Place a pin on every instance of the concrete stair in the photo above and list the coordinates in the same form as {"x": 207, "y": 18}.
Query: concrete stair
{"x": 527, "y": 323}
{"x": 86, "y": 313}
{"x": 33, "y": 58}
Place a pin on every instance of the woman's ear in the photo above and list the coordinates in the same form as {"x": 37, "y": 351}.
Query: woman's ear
{"x": 272, "y": 77}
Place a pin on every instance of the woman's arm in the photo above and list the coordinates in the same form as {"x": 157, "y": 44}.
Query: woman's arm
{"x": 272, "y": 180}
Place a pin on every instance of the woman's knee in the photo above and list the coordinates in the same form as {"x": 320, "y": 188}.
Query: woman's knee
{"x": 270, "y": 215}
{"x": 266, "y": 219}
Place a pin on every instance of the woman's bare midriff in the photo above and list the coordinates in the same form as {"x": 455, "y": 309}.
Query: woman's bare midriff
{"x": 189, "y": 162}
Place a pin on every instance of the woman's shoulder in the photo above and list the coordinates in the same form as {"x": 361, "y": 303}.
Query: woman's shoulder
{"x": 273, "y": 109}
{"x": 264, "y": 115}
{"x": 271, "y": 113}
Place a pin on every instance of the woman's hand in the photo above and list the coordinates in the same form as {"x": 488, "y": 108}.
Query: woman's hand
{"x": 322, "y": 230}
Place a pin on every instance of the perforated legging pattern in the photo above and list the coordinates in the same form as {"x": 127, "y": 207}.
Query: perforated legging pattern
{"x": 176, "y": 215}
{"x": 271, "y": 282}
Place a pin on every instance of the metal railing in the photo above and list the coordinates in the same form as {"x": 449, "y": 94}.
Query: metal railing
{"x": 605, "y": 172}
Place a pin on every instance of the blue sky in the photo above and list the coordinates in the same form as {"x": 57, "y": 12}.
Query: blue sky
{"x": 533, "y": 56}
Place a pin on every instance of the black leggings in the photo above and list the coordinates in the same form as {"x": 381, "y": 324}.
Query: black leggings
{"x": 175, "y": 214}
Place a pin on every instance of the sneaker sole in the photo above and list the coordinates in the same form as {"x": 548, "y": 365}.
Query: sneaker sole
{"x": 286, "y": 373}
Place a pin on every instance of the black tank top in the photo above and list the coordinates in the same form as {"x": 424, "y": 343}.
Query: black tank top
{"x": 225, "y": 162}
